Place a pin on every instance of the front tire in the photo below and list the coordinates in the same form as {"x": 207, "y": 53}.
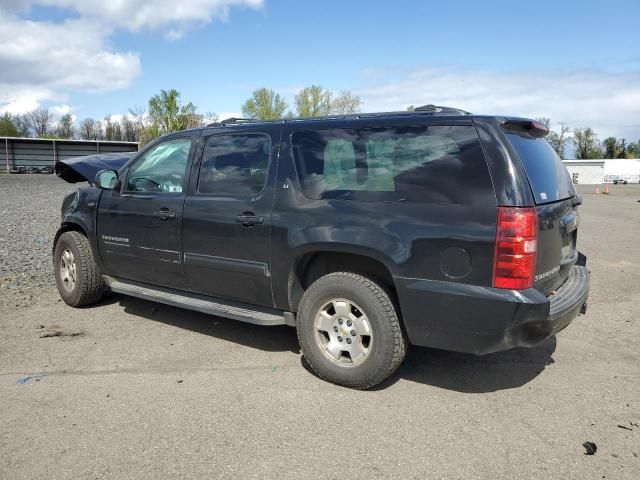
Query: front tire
{"x": 349, "y": 330}
{"x": 77, "y": 275}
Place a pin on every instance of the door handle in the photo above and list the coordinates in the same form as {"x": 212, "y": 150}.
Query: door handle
{"x": 164, "y": 214}
{"x": 248, "y": 219}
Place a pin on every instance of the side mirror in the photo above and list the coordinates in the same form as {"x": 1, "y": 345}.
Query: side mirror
{"x": 106, "y": 179}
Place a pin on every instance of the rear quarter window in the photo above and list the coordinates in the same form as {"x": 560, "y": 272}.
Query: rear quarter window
{"x": 424, "y": 164}
{"x": 547, "y": 175}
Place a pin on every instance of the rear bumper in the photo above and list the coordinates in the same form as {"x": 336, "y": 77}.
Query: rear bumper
{"x": 480, "y": 320}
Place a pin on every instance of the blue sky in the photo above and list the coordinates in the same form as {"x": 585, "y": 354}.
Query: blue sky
{"x": 572, "y": 61}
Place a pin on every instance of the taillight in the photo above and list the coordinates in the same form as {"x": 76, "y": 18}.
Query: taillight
{"x": 515, "y": 254}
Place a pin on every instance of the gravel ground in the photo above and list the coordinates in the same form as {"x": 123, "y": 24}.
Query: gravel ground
{"x": 30, "y": 209}
{"x": 132, "y": 389}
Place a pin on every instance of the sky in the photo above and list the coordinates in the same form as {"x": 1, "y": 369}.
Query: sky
{"x": 572, "y": 61}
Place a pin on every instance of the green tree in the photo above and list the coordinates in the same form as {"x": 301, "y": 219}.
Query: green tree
{"x": 8, "y": 127}
{"x": 313, "y": 101}
{"x": 148, "y": 133}
{"x": 633, "y": 150}
{"x": 168, "y": 114}
{"x": 621, "y": 150}
{"x": 609, "y": 147}
{"x": 411, "y": 108}
{"x": 65, "y": 127}
{"x": 586, "y": 142}
{"x": 345, "y": 103}
{"x": 264, "y": 104}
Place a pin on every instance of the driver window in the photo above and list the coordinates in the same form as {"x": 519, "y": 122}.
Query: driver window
{"x": 162, "y": 169}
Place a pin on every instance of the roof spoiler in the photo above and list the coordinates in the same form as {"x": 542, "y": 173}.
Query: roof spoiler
{"x": 533, "y": 128}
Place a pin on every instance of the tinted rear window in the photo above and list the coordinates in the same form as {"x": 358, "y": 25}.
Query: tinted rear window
{"x": 432, "y": 164}
{"x": 548, "y": 177}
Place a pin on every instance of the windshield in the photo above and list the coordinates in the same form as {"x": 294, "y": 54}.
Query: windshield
{"x": 548, "y": 177}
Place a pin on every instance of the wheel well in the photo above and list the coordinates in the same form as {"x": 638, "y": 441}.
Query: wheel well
{"x": 314, "y": 265}
{"x": 68, "y": 227}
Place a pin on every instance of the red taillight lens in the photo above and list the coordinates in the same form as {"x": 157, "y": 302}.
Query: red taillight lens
{"x": 515, "y": 255}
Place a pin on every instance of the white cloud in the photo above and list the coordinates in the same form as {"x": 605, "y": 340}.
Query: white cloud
{"x": 136, "y": 15}
{"x": 42, "y": 61}
{"x": 60, "y": 110}
{"x": 608, "y": 102}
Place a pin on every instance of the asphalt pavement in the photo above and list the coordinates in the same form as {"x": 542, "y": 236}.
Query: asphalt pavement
{"x": 132, "y": 389}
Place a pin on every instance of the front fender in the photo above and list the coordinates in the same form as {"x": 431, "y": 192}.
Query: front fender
{"x": 79, "y": 214}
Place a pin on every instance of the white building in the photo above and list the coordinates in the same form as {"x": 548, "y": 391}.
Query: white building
{"x": 589, "y": 172}
{"x": 592, "y": 172}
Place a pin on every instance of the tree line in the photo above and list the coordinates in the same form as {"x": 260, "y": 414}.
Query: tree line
{"x": 586, "y": 144}
{"x": 166, "y": 113}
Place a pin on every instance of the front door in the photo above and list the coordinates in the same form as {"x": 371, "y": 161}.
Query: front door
{"x": 227, "y": 218}
{"x": 139, "y": 225}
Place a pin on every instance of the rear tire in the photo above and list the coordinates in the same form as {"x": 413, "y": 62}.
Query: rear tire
{"x": 77, "y": 275}
{"x": 349, "y": 330}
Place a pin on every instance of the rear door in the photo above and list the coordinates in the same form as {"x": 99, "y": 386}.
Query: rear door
{"x": 556, "y": 207}
{"x": 227, "y": 217}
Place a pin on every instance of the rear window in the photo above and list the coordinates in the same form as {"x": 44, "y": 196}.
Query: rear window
{"x": 428, "y": 164}
{"x": 548, "y": 177}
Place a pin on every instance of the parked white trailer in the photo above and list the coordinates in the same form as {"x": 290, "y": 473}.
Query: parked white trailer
{"x": 625, "y": 169}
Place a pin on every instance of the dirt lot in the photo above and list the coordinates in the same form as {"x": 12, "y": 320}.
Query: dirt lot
{"x": 131, "y": 389}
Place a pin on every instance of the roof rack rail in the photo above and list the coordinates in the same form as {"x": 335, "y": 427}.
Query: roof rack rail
{"x": 425, "y": 109}
{"x": 440, "y": 109}
{"x": 231, "y": 120}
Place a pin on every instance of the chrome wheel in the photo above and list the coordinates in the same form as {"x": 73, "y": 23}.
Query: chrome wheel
{"x": 68, "y": 270}
{"x": 343, "y": 332}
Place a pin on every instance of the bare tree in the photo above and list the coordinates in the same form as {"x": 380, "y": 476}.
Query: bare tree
{"x": 558, "y": 139}
{"x": 112, "y": 129}
{"x": 129, "y": 132}
{"x": 210, "y": 117}
{"x": 89, "y": 129}
{"x": 345, "y": 103}
{"x": 40, "y": 121}
{"x": 139, "y": 121}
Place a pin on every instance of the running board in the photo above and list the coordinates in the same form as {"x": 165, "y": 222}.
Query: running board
{"x": 199, "y": 303}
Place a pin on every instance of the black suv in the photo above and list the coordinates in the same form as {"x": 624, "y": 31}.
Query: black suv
{"x": 366, "y": 232}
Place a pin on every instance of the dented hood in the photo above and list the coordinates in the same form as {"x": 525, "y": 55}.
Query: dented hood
{"x": 84, "y": 169}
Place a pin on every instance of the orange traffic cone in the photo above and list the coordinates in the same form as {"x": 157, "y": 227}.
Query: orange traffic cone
{"x": 606, "y": 189}
{"x": 597, "y": 189}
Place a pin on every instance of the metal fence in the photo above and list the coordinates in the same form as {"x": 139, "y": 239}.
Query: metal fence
{"x": 16, "y": 153}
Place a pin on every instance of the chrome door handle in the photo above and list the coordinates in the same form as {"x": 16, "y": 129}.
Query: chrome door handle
{"x": 164, "y": 214}
{"x": 249, "y": 219}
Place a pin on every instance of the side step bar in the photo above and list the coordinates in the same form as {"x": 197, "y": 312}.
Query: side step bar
{"x": 200, "y": 303}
